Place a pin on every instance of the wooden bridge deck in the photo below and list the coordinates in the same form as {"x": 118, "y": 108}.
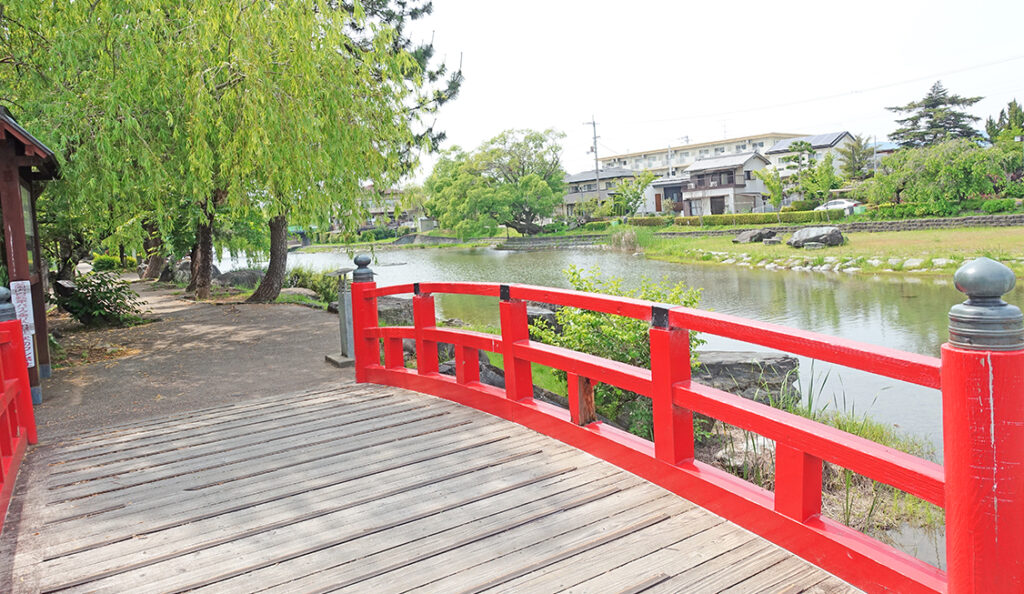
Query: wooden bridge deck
{"x": 373, "y": 489}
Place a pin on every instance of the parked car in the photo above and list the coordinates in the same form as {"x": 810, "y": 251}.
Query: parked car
{"x": 842, "y": 204}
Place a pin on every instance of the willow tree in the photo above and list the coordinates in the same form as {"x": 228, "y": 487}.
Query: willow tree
{"x": 174, "y": 114}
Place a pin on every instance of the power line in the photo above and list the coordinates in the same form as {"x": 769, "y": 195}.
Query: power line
{"x": 834, "y": 96}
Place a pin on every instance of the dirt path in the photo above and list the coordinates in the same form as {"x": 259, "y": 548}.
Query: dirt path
{"x": 195, "y": 356}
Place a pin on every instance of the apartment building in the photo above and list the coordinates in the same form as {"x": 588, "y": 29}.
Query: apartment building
{"x": 672, "y": 160}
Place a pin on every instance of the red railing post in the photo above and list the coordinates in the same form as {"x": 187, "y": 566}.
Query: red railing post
{"x": 514, "y": 327}
{"x": 670, "y": 364}
{"x": 15, "y": 367}
{"x": 364, "y": 316}
{"x": 424, "y": 316}
{"x": 983, "y": 434}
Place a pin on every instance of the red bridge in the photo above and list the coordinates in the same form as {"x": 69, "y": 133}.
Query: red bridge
{"x": 980, "y": 374}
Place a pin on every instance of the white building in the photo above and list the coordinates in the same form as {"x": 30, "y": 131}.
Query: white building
{"x": 823, "y": 144}
{"x": 587, "y": 186}
{"x": 719, "y": 185}
{"x": 671, "y": 161}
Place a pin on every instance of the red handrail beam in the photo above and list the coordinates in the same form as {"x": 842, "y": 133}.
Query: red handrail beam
{"x": 983, "y": 426}
{"x": 909, "y": 367}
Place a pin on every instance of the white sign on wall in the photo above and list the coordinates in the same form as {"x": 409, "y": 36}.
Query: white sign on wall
{"x": 21, "y": 298}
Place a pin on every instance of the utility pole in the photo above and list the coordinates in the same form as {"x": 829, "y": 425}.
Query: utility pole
{"x": 597, "y": 175}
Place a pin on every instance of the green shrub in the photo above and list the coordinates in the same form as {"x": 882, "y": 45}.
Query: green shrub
{"x": 101, "y": 298}
{"x": 762, "y": 218}
{"x": 325, "y": 286}
{"x": 804, "y": 204}
{"x": 996, "y": 205}
{"x": 650, "y": 221}
{"x": 597, "y": 225}
{"x": 102, "y": 262}
{"x": 616, "y": 338}
{"x": 367, "y": 236}
{"x": 554, "y": 227}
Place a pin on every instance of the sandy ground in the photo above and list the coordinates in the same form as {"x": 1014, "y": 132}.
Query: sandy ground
{"x": 192, "y": 356}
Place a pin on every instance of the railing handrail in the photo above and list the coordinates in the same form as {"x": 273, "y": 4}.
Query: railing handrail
{"x": 791, "y": 515}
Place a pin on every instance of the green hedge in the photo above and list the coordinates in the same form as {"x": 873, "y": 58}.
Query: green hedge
{"x": 997, "y": 205}
{"x": 762, "y": 218}
{"x": 802, "y": 205}
{"x": 105, "y": 263}
{"x": 596, "y": 225}
{"x": 650, "y": 221}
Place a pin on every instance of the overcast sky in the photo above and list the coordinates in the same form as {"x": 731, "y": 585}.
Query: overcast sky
{"x": 653, "y": 72}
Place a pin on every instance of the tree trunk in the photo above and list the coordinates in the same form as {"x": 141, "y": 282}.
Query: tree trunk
{"x": 120, "y": 254}
{"x": 193, "y": 268}
{"x": 270, "y": 285}
{"x": 152, "y": 246}
{"x": 204, "y": 258}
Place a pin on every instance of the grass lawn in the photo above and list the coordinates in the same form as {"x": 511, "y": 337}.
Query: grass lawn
{"x": 1005, "y": 244}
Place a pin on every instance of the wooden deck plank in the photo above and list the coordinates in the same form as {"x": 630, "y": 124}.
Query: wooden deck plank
{"x": 417, "y": 538}
{"x": 367, "y": 488}
{"x": 225, "y": 528}
{"x": 186, "y": 438}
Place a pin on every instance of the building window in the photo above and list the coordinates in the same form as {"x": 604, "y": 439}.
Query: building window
{"x": 704, "y": 151}
{"x": 740, "y": 148}
{"x": 719, "y": 150}
{"x": 748, "y": 175}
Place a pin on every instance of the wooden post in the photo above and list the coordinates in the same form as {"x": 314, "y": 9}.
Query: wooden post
{"x": 983, "y": 434}
{"x": 581, "y": 399}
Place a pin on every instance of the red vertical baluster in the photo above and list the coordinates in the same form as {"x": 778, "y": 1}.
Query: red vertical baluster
{"x": 467, "y": 364}
{"x": 581, "y": 399}
{"x": 423, "y": 316}
{"x": 797, "y": 483}
{"x": 515, "y": 327}
{"x": 670, "y": 364}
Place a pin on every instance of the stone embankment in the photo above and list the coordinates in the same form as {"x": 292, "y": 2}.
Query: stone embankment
{"x": 552, "y": 242}
{"x": 1014, "y": 220}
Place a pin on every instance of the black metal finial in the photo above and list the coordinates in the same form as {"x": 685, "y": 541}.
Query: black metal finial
{"x": 985, "y": 322}
{"x": 362, "y": 273}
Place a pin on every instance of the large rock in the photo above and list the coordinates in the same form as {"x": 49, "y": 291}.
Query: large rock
{"x": 445, "y": 351}
{"x": 754, "y": 236}
{"x": 243, "y": 277}
{"x": 394, "y": 311}
{"x": 535, "y": 314}
{"x": 303, "y": 291}
{"x": 182, "y": 271}
{"x": 825, "y": 235}
{"x": 767, "y": 378}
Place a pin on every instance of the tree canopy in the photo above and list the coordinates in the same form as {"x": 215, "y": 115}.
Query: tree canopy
{"x": 629, "y": 193}
{"x": 514, "y": 179}
{"x": 169, "y": 114}
{"x": 856, "y": 158}
{"x": 1011, "y": 118}
{"x": 938, "y": 117}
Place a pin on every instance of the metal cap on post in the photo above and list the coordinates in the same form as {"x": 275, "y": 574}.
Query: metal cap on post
{"x": 6, "y": 307}
{"x": 362, "y": 273}
{"x": 985, "y": 322}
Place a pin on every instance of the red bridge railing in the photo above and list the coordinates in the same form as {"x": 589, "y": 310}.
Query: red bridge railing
{"x": 981, "y": 486}
{"x": 17, "y": 419}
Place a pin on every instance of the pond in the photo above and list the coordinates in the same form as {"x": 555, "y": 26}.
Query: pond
{"x": 898, "y": 311}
